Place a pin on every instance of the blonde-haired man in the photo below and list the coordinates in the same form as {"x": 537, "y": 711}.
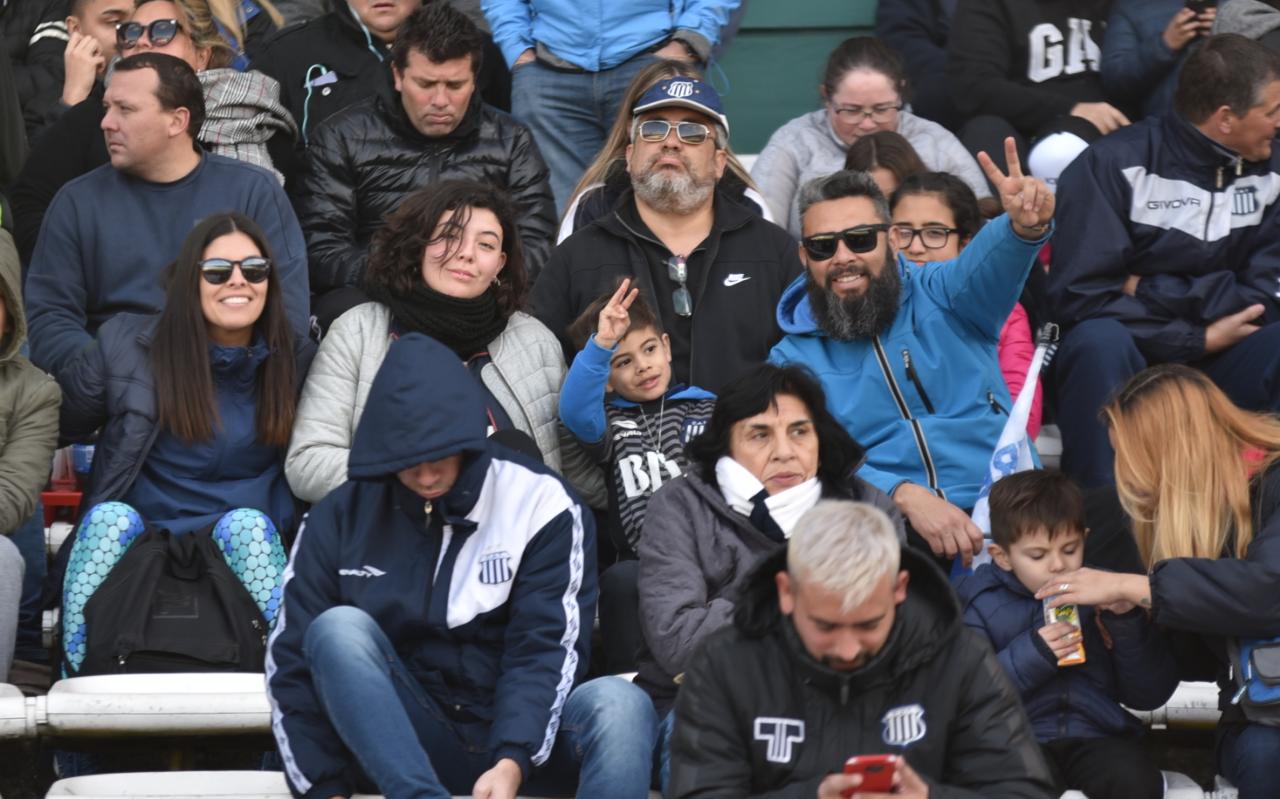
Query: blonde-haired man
{"x": 847, "y": 644}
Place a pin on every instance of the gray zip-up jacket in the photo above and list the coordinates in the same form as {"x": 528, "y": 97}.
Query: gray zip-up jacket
{"x": 524, "y": 375}
{"x": 807, "y": 148}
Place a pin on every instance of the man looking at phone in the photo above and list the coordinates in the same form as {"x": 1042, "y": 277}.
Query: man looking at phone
{"x": 1166, "y": 249}
{"x": 846, "y": 644}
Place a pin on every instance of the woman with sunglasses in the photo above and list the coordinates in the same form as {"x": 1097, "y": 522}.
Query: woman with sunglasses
{"x": 934, "y": 215}
{"x": 606, "y": 179}
{"x": 1197, "y": 475}
{"x": 192, "y": 407}
{"x": 448, "y": 264}
{"x": 864, "y": 91}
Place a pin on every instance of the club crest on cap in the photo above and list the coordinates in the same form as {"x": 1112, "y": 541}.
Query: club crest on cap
{"x": 680, "y": 89}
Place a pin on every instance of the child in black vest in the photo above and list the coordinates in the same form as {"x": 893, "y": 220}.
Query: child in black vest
{"x": 619, "y": 402}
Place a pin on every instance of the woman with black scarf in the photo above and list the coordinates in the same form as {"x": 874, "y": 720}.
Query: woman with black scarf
{"x": 447, "y": 264}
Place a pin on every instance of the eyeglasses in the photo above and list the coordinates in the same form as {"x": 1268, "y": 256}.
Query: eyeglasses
{"x": 862, "y": 238}
{"x": 656, "y": 130}
{"x": 933, "y": 237}
{"x": 681, "y": 299}
{"x": 856, "y": 113}
{"x": 160, "y": 32}
{"x": 217, "y": 271}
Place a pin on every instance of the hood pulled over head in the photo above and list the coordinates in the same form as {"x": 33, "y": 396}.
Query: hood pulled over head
{"x": 423, "y": 406}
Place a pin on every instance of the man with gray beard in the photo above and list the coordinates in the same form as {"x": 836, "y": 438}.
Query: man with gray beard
{"x": 906, "y": 353}
{"x": 712, "y": 269}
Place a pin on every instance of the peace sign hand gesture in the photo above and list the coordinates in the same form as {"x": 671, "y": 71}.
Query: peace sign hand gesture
{"x": 1027, "y": 200}
{"x": 614, "y": 318}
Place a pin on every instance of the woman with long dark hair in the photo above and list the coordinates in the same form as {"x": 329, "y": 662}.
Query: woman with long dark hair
{"x": 194, "y": 406}
{"x": 1198, "y": 477}
{"x": 447, "y": 264}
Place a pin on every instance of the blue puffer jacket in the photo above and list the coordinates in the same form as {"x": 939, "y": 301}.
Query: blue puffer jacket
{"x": 926, "y": 398}
{"x": 600, "y": 34}
{"x": 487, "y": 593}
{"x": 1070, "y": 701}
{"x": 1138, "y": 68}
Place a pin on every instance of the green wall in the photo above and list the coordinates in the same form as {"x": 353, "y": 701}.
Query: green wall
{"x": 773, "y": 67}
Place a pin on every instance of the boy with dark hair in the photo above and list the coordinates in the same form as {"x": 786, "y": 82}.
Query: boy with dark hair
{"x": 1091, "y": 743}
{"x": 618, "y": 401}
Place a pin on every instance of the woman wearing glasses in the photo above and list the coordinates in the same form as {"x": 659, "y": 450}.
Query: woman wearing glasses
{"x": 935, "y": 215}
{"x": 864, "y": 91}
{"x": 194, "y": 406}
{"x": 447, "y": 264}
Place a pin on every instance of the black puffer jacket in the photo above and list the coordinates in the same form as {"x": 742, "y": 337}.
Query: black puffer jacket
{"x": 343, "y": 62}
{"x": 757, "y": 716}
{"x": 367, "y": 158}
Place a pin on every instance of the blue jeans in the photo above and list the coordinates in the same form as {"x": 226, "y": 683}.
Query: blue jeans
{"x": 570, "y": 114}
{"x": 408, "y": 747}
{"x": 664, "y": 750}
{"x": 1247, "y": 756}
{"x": 1099, "y": 355}
{"x": 29, "y": 538}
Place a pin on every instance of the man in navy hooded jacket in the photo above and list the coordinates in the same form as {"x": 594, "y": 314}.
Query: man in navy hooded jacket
{"x": 1168, "y": 250}
{"x": 437, "y": 615}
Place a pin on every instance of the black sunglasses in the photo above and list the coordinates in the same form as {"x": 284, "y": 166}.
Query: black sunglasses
{"x": 681, "y": 299}
{"x": 160, "y": 32}
{"x": 655, "y": 130}
{"x": 862, "y": 238}
{"x": 217, "y": 271}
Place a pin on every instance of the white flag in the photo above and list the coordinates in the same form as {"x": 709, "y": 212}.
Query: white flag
{"x": 1013, "y": 449}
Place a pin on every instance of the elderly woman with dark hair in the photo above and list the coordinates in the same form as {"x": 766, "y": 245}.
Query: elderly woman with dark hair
{"x": 447, "y": 264}
{"x": 769, "y": 453}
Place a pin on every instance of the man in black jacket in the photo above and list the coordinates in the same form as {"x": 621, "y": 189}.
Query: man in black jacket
{"x": 837, "y": 651}
{"x": 35, "y": 35}
{"x": 366, "y": 158}
{"x": 712, "y": 269}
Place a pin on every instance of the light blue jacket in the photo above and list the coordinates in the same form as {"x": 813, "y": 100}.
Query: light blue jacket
{"x": 938, "y": 428}
{"x": 601, "y": 34}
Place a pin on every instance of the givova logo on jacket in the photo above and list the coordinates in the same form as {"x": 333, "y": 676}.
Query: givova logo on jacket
{"x": 902, "y": 726}
{"x": 1051, "y": 55}
{"x": 778, "y": 735}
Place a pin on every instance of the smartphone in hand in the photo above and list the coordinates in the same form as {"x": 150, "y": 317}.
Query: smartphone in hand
{"x": 877, "y": 772}
{"x": 1201, "y": 6}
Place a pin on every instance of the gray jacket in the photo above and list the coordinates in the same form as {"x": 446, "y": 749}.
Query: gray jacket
{"x": 29, "y": 402}
{"x": 524, "y": 375}
{"x": 807, "y": 148}
{"x": 694, "y": 555}
{"x": 1249, "y": 18}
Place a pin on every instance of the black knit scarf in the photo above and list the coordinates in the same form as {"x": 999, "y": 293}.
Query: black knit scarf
{"x": 464, "y": 326}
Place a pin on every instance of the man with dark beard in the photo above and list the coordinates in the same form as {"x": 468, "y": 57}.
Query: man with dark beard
{"x": 907, "y": 354}
{"x": 712, "y": 269}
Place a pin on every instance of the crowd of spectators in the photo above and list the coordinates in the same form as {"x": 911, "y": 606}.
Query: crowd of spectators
{"x": 471, "y": 306}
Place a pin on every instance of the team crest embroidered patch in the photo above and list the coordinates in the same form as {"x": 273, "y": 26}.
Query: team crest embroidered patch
{"x": 495, "y": 568}
{"x": 903, "y": 725}
{"x": 779, "y": 735}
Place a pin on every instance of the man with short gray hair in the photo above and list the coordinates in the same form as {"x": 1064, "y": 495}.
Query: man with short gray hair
{"x": 845, "y": 644}
{"x": 907, "y": 352}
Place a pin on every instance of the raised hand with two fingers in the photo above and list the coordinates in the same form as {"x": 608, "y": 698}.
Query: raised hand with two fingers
{"x": 1027, "y": 200}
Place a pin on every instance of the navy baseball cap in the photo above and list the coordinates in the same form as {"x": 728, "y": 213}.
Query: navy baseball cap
{"x": 683, "y": 93}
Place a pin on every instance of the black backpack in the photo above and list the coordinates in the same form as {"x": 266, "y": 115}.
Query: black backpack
{"x": 172, "y": 604}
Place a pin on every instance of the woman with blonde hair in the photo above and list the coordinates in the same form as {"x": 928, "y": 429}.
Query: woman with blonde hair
{"x": 1196, "y": 474}
{"x": 606, "y": 178}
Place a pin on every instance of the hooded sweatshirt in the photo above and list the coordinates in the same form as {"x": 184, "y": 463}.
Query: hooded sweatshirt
{"x": 487, "y": 592}
{"x": 1251, "y": 18}
{"x": 29, "y": 402}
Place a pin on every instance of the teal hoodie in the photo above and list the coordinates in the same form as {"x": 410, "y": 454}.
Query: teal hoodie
{"x": 925, "y": 398}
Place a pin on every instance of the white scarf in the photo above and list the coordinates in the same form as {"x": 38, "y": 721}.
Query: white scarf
{"x": 786, "y": 507}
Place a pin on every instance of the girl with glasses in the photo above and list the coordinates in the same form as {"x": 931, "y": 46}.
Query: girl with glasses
{"x": 935, "y": 216}
{"x": 864, "y": 91}
{"x": 193, "y": 408}
{"x": 448, "y": 264}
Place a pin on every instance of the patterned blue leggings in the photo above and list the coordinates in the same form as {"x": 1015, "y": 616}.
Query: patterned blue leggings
{"x": 248, "y": 540}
